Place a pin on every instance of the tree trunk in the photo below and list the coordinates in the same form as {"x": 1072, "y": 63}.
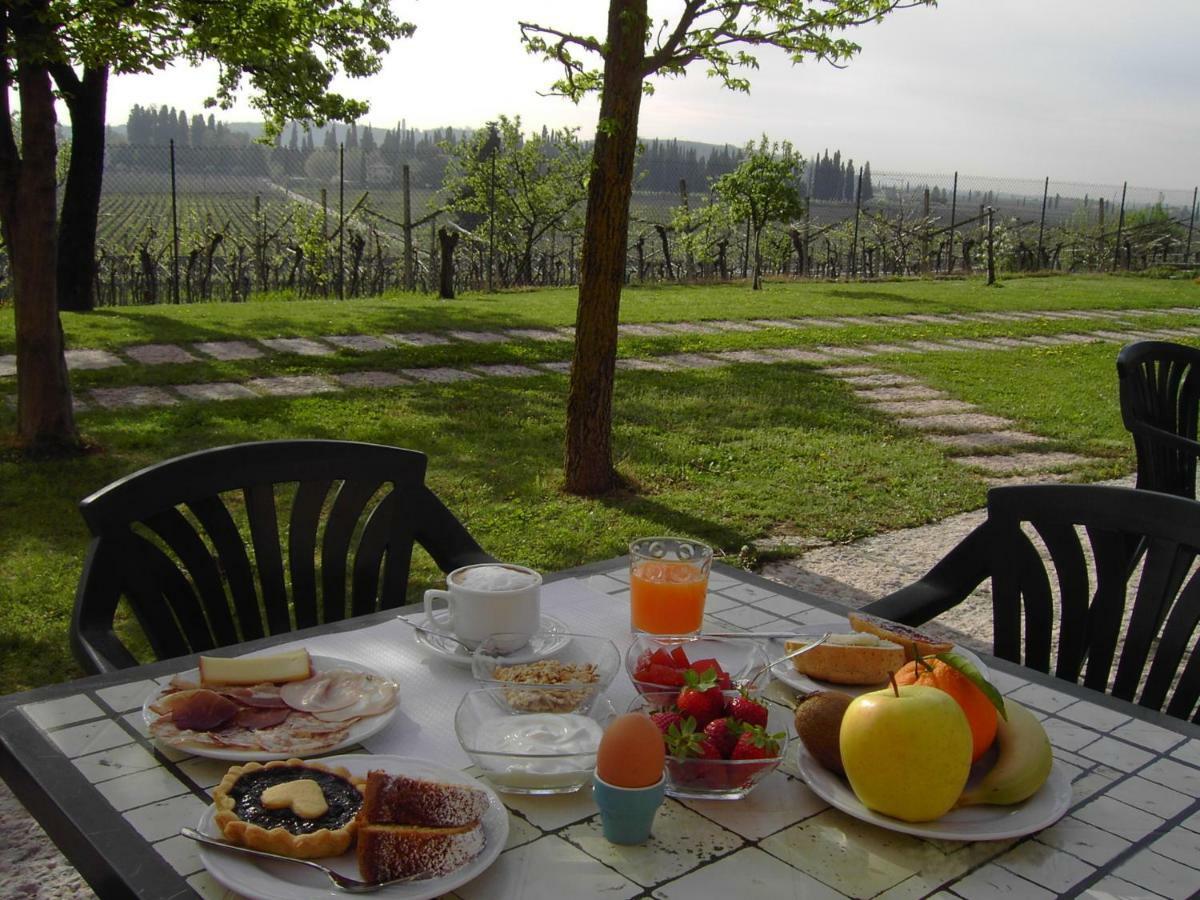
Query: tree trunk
{"x": 588, "y": 450}
{"x": 86, "y": 99}
{"x": 45, "y": 419}
{"x": 447, "y": 240}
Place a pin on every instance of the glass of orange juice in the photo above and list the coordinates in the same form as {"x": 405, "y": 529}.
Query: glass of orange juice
{"x": 668, "y": 580}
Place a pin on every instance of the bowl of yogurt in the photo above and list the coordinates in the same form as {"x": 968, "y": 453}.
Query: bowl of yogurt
{"x": 530, "y": 752}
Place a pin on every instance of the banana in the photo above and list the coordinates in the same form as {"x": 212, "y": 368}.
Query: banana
{"x": 1023, "y": 761}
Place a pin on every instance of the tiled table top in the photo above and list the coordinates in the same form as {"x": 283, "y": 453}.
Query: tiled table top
{"x": 1133, "y": 829}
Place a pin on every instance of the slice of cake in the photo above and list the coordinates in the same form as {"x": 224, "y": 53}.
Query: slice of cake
{"x": 409, "y": 825}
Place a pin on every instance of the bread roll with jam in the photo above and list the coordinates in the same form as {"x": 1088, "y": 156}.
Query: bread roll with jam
{"x": 853, "y": 658}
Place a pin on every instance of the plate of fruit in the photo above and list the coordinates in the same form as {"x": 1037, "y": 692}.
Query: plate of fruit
{"x": 933, "y": 756}
{"x": 719, "y": 743}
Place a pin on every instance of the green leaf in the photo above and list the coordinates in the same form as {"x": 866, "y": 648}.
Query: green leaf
{"x": 968, "y": 668}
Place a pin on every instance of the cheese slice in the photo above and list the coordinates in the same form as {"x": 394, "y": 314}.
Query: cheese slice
{"x": 294, "y": 665}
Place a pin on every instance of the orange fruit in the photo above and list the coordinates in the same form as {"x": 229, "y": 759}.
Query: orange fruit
{"x": 980, "y": 713}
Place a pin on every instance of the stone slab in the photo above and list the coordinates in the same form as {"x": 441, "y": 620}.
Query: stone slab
{"x": 691, "y": 361}
{"x": 985, "y": 440}
{"x": 909, "y": 392}
{"x": 793, "y": 354}
{"x": 845, "y": 352}
{"x": 641, "y": 329}
{"x": 932, "y": 320}
{"x": 563, "y": 367}
{"x": 1045, "y": 340}
{"x": 1008, "y": 342}
{"x": 961, "y": 422}
{"x": 292, "y": 385}
{"x": 689, "y": 328}
{"x": 439, "y": 374}
{"x": 131, "y": 397}
{"x": 970, "y": 344}
{"x": 846, "y": 372}
{"x": 645, "y": 365}
{"x": 299, "y": 346}
{"x": 746, "y": 356}
{"x": 930, "y": 346}
{"x": 875, "y": 349}
{"x": 369, "y": 379}
{"x": 1022, "y": 462}
{"x": 506, "y": 370}
{"x": 92, "y": 359}
{"x": 478, "y": 337}
{"x": 228, "y": 350}
{"x": 8, "y": 366}
{"x": 418, "y": 339}
{"x": 217, "y": 390}
{"x": 1119, "y": 336}
{"x": 774, "y": 323}
{"x": 731, "y": 325}
{"x": 923, "y": 407}
{"x": 361, "y": 343}
{"x": 158, "y": 354}
{"x": 533, "y": 334}
{"x": 880, "y": 379}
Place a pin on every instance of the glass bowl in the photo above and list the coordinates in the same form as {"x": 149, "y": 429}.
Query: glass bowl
{"x": 716, "y": 779}
{"x": 565, "y": 673}
{"x": 530, "y": 753}
{"x": 737, "y": 657}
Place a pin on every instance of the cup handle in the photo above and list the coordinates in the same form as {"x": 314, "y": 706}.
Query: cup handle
{"x": 430, "y": 596}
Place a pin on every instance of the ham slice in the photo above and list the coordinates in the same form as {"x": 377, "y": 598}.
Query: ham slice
{"x": 378, "y": 695}
{"x": 328, "y": 691}
{"x": 264, "y": 695}
{"x": 256, "y": 718}
{"x": 202, "y": 710}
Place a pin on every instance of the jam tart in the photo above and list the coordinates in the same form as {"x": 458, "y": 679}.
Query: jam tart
{"x": 290, "y": 807}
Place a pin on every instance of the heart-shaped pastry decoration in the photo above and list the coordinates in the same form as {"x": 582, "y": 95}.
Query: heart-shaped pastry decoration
{"x": 303, "y": 796}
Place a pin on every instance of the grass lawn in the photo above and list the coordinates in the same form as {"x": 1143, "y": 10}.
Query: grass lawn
{"x": 726, "y": 455}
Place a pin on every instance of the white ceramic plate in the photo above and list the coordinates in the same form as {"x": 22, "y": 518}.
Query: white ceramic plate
{"x": 359, "y": 731}
{"x": 265, "y": 879}
{"x": 971, "y": 823}
{"x": 786, "y": 672}
{"x": 549, "y": 639}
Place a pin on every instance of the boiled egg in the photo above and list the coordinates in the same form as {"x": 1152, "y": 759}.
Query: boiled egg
{"x": 631, "y": 753}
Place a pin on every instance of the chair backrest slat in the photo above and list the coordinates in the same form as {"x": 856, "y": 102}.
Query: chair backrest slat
{"x": 1177, "y": 639}
{"x": 1107, "y": 610}
{"x": 1155, "y": 593}
{"x": 216, "y": 590}
{"x": 303, "y": 527}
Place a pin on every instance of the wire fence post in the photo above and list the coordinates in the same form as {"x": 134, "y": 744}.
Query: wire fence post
{"x": 341, "y": 221}
{"x": 1120, "y": 228}
{"x": 953, "y": 212}
{"x": 991, "y": 244}
{"x": 854, "y": 239}
{"x": 409, "y": 279}
{"x": 1042, "y": 223}
{"x": 174, "y": 232}
{"x": 1187, "y": 254}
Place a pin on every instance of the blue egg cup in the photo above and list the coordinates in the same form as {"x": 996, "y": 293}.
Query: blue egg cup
{"x": 627, "y": 814}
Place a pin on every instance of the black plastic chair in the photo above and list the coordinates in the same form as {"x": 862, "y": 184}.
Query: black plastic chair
{"x": 1109, "y": 611}
{"x": 1160, "y": 401}
{"x": 234, "y": 543}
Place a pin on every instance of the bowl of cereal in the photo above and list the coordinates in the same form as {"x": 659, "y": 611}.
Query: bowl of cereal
{"x": 567, "y": 679}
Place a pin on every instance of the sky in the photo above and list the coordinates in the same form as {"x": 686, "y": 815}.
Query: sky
{"x": 1082, "y": 91}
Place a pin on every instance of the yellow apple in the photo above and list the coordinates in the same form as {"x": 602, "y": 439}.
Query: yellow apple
{"x": 907, "y": 751}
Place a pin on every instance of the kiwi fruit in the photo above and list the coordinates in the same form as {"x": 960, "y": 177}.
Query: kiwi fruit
{"x": 818, "y": 723}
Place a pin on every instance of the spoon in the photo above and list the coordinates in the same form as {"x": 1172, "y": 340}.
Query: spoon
{"x": 340, "y": 881}
{"x": 758, "y": 673}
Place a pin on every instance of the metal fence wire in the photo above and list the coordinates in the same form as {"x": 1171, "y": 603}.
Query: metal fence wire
{"x": 194, "y": 224}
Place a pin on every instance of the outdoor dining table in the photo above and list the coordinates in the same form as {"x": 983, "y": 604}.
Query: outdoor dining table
{"x": 79, "y": 757}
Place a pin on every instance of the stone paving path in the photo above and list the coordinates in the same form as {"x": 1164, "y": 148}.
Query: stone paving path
{"x": 30, "y": 865}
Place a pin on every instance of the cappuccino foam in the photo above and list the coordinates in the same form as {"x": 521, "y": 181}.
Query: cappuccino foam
{"x": 494, "y": 578}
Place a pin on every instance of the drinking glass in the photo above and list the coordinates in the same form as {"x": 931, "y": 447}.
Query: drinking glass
{"x": 668, "y": 580}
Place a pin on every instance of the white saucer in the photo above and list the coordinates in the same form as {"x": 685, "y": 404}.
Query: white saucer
{"x": 549, "y": 639}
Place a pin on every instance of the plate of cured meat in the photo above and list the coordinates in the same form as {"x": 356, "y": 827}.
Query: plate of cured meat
{"x": 273, "y": 711}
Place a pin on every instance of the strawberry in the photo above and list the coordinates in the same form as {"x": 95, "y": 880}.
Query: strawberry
{"x": 724, "y": 734}
{"x": 746, "y": 709}
{"x": 665, "y": 719}
{"x": 701, "y": 698}
{"x": 754, "y": 743}
{"x": 693, "y": 759}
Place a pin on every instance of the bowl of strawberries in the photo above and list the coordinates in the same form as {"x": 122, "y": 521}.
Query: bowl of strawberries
{"x": 720, "y": 743}
{"x": 658, "y": 663}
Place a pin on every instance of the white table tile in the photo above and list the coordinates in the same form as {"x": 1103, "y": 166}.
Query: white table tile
{"x": 1117, "y": 754}
{"x": 1181, "y": 845}
{"x": 717, "y": 581}
{"x": 680, "y": 841}
{"x": 606, "y": 584}
{"x": 124, "y": 697}
{"x": 1043, "y": 698}
{"x": 1093, "y": 715}
{"x": 749, "y": 873}
{"x": 1045, "y": 866}
{"x": 747, "y": 593}
{"x": 552, "y": 813}
{"x": 991, "y": 882}
{"x": 1161, "y": 875}
{"x": 1151, "y": 797}
{"x": 1119, "y": 818}
{"x": 716, "y": 603}
{"x": 1068, "y": 735}
{"x": 1192, "y": 822}
{"x": 520, "y": 832}
{"x": 1004, "y": 682}
{"x": 1091, "y": 783}
{"x": 782, "y": 606}
{"x": 1189, "y": 753}
{"x": 1083, "y": 840}
{"x": 745, "y": 617}
{"x": 64, "y": 711}
{"x": 776, "y": 803}
{"x": 816, "y": 616}
{"x": 115, "y": 762}
{"x": 1174, "y": 775}
{"x": 1152, "y": 737}
{"x": 182, "y": 854}
{"x": 161, "y": 820}
{"x": 141, "y": 788}
{"x": 1113, "y": 888}
{"x": 207, "y": 773}
{"x": 92, "y": 737}
{"x": 548, "y": 869}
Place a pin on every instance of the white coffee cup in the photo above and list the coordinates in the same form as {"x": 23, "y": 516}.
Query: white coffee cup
{"x": 486, "y": 599}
